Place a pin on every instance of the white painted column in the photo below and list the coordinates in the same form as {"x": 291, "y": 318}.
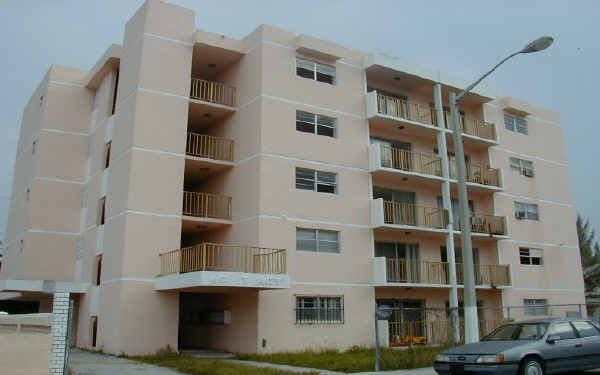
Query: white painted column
{"x": 447, "y": 204}
{"x": 60, "y": 321}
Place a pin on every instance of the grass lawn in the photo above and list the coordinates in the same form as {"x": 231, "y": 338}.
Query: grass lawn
{"x": 191, "y": 365}
{"x": 352, "y": 360}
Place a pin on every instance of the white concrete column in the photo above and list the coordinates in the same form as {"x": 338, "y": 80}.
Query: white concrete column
{"x": 447, "y": 204}
{"x": 60, "y": 325}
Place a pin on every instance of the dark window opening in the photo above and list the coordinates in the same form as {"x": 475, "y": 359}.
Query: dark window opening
{"x": 98, "y": 269}
{"x": 321, "y": 77}
{"x": 107, "y": 147}
{"x": 305, "y": 73}
{"x": 114, "y": 101}
{"x": 94, "y": 330}
{"x": 102, "y": 211}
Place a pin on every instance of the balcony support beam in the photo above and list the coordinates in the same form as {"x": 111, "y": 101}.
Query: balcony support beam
{"x": 447, "y": 203}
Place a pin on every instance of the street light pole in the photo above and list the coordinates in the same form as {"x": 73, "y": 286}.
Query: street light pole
{"x": 470, "y": 299}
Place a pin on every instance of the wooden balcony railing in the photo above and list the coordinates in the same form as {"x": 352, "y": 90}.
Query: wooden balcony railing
{"x": 206, "y": 205}
{"x": 397, "y": 107}
{"x": 411, "y": 214}
{"x": 488, "y": 224}
{"x": 421, "y": 162}
{"x": 213, "y": 92}
{"x": 471, "y": 126}
{"x": 207, "y": 146}
{"x": 486, "y": 274}
{"x": 424, "y": 272}
{"x": 478, "y": 174}
{"x": 227, "y": 258}
{"x": 433, "y": 331}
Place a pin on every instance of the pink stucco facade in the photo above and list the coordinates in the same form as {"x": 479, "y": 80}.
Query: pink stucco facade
{"x": 137, "y": 103}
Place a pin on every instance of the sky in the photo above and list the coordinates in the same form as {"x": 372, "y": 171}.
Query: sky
{"x": 464, "y": 38}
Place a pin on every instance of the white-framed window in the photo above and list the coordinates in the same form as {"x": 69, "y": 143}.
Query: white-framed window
{"x": 316, "y": 124}
{"x": 525, "y": 167}
{"x": 526, "y": 211}
{"x": 534, "y": 257}
{"x": 515, "y": 124}
{"x": 317, "y": 240}
{"x": 310, "y": 179}
{"x": 319, "y": 309}
{"x": 314, "y": 70}
{"x": 535, "y": 307}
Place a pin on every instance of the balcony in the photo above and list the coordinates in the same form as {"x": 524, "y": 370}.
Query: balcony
{"x": 436, "y": 274}
{"x": 213, "y": 266}
{"x": 206, "y": 155}
{"x": 203, "y": 211}
{"x": 476, "y": 132}
{"x": 210, "y": 101}
{"x": 489, "y": 224}
{"x": 397, "y": 164}
{"x": 393, "y": 113}
{"x": 407, "y": 216}
{"x": 479, "y": 178}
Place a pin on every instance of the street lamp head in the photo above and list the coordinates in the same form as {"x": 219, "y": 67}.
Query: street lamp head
{"x": 538, "y": 45}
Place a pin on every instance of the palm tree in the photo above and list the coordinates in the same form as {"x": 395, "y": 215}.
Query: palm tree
{"x": 590, "y": 255}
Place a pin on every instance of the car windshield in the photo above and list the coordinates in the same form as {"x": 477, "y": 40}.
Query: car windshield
{"x": 522, "y": 331}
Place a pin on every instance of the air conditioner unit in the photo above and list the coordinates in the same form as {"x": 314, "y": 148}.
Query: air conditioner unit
{"x": 520, "y": 215}
{"x": 527, "y": 172}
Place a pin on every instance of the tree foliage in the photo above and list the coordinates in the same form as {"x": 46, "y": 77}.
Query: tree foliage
{"x": 590, "y": 254}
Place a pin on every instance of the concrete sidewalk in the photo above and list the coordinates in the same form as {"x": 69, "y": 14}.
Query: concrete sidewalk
{"x": 87, "y": 363}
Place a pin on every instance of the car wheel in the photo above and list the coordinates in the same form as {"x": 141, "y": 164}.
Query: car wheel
{"x": 532, "y": 366}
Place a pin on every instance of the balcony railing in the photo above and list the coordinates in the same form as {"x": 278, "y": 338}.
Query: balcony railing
{"x": 488, "y": 224}
{"x": 471, "y": 126}
{"x": 433, "y": 331}
{"x": 397, "y": 107}
{"x": 224, "y": 258}
{"x": 206, "y": 205}
{"x": 424, "y": 272}
{"x": 478, "y": 174}
{"x": 207, "y": 146}
{"x": 213, "y": 92}
{"x": 411, "y": 214}
{"x": 486, "y": 274}
{"x": 421, "y": 162}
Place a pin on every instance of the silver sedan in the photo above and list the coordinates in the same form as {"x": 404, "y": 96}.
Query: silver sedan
{"x": 534, "y": 347}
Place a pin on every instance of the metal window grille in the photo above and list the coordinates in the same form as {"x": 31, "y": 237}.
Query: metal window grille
{"x": 319, "y": 310}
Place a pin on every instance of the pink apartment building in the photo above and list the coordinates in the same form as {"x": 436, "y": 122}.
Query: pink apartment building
{"x": 263, "y": 194}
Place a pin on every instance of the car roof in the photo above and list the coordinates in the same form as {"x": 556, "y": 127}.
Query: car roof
{"x": 547, "y": 320}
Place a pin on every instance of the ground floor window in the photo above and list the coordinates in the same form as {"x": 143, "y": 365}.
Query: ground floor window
{"x": 319, "y": 309}
{"x": 535, "y": 307}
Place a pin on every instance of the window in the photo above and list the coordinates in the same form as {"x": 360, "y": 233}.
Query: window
{"x": 101, "y": 210}
{"x": 563, "y": 330}
{"x": 525, "y": 167}
{"x": 531, "y": 256}
{"x": 314, "y": 70}
{"x": 114, "y": 99}
{"x": 316, "y": 124}
{"x": 322, "y": 182}
{"x": 98, "y": 269}
{"x": 515, "y": 124}
{"x": 319, "y": 310}
{"x": 33, "y": 147}
{"x": 320, "y": 241}
{"x": 585, "y": 329}
{"x": 107, "y": 147}
{"x": 526, "y": 211}
{"x": 94, "y": 330}
{"x": 534, "y": 307}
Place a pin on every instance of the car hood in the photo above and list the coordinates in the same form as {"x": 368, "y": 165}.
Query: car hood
{"x": 486, "y": 347}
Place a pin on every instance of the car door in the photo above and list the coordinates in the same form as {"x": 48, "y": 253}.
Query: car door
{"x": 590, "y": 337}
{"x": 562, "y": 354}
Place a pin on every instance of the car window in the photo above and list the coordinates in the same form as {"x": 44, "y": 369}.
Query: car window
{"x": 531, "y": 331}
{"x": 585, "y": 329}
{"x": 526, "y": 331}
{"x": 563, "y": 330}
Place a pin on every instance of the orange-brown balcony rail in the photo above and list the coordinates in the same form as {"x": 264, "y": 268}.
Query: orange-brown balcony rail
{"x": 411, "y": 214}
{"x": 213, "y": 92}
{"x": 486, "y": 274}
{"x": 425, "y": 272}
{"x": 416, "y": 271}
{"x": 411, "y": 161}
{"x": 479, "y": 128}
{"x": 207, "y": 146}
{"x": 398, "y": 107}
{"x": 223, "y": 258}
{"x": 488, "y": 224}
{"x": 433, "y": 332}
{"x": 478, "y": 174}
{"x": 212, "y": 206}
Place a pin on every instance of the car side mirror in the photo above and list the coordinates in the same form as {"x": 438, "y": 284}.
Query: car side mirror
{"x": 552, "y": 339}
